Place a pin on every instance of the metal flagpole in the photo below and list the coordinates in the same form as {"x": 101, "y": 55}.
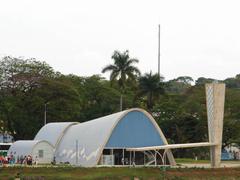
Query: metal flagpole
{"x": 159, "y": 50}
{"x": 45, "y": 113}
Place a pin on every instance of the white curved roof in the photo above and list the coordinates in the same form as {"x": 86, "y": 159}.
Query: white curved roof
{"x": 53, "y": 132}
{"x": 24, "y": 147}
{"x": 92, "y": 137}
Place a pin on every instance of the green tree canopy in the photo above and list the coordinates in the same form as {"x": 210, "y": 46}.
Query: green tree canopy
{"x": 151, "y": 86}
{"x": 122, "y": 70}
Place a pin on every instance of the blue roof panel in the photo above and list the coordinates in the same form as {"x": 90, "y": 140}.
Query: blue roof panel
{"x": 134, "y": 130}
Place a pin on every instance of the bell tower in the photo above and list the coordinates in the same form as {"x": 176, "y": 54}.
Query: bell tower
{"x": 215, "y": 98}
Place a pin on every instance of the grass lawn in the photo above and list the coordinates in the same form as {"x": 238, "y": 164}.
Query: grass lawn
{"x": 116, "y": 173}
{"x": 187, "y": 160}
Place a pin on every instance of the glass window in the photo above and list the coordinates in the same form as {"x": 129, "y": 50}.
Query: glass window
{"x": 40, "y": 153}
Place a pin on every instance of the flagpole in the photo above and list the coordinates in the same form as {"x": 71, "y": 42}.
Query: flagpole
{"x": 159, "y": 50}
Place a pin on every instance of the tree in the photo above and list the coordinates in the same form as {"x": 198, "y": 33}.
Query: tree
{"x": 25, "y": 85}
{"x": 18, "y": 79}
{"x": 182, "y": 117}
{"x": 178, "y": 85}
{"x": 185, "y": 79}
{"x": 202, "y": 80}
{"x": 231, "y": 133}
{"x": 22, "y": 74}
{"x": 151, "y": 86}
{"x": 23, "y": 113}
{"x": 233, "y": 82}
{"x": 98, "y": 98}
{"x": 122, "y": 70}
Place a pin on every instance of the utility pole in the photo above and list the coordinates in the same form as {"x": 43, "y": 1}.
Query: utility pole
{"x": 159, "y": 50}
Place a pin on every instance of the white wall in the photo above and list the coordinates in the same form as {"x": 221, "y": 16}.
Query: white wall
{"x": 47, "y": 153}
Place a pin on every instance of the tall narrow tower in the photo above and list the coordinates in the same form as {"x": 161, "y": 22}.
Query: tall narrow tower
{"x": 215, "y": 96}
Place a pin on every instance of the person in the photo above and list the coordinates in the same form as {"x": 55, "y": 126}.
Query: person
{"x": 122, "y": 161}
{"x": 133, "y": 163}
{"x": 126, "y": 161}
{"x": 36, "y": 160}
{"x": 9, "y": 158}
{"x": 54, "y": 160}
{"x": 6, "y": 160}
{"x": 1, "y": 160}
{"x": 196, "y": 158}
{"x": 238, "y": 155}
{"x": 13, "y": 159}
{"x": 30, "y": 160}
{"x": 21, "y": 159}
{"x": 18, "y": 160}
{"x": 25, "y": 160}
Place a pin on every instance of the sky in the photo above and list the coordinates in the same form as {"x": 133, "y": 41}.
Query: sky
{"x": 198, "y": 38}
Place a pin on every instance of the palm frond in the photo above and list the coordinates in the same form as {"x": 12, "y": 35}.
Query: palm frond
{"x": 122, "y": 69}
{"x": 132, "y": 61}
{"x": 114, "y": 75}
{"x": 116, "y": 55}
{"x": 109, "y": 67}
{"x": 133, "y": 70}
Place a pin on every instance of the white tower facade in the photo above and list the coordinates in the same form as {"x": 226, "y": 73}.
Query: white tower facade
{"x": 215, "y": 96}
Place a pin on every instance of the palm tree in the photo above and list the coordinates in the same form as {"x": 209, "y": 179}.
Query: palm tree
{"x": 122, "y": 70}
{"x": 151, "y": 86}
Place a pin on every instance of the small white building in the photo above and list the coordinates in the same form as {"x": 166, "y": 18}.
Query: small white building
{"x": 43, "y": 150}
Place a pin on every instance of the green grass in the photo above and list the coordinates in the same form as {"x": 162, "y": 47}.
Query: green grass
{"x": 188, "y": 160}
{"x": 55, "y": 173}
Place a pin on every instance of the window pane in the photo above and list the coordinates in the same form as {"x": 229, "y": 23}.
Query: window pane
{"x": 40, "y": 153}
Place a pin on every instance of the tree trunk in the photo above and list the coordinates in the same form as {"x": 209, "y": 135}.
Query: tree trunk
{"x": 121, "y": 102}
{"x": 149, "y": 101}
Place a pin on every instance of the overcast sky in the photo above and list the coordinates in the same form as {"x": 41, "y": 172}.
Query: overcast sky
{"x": 198, "y": 38}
